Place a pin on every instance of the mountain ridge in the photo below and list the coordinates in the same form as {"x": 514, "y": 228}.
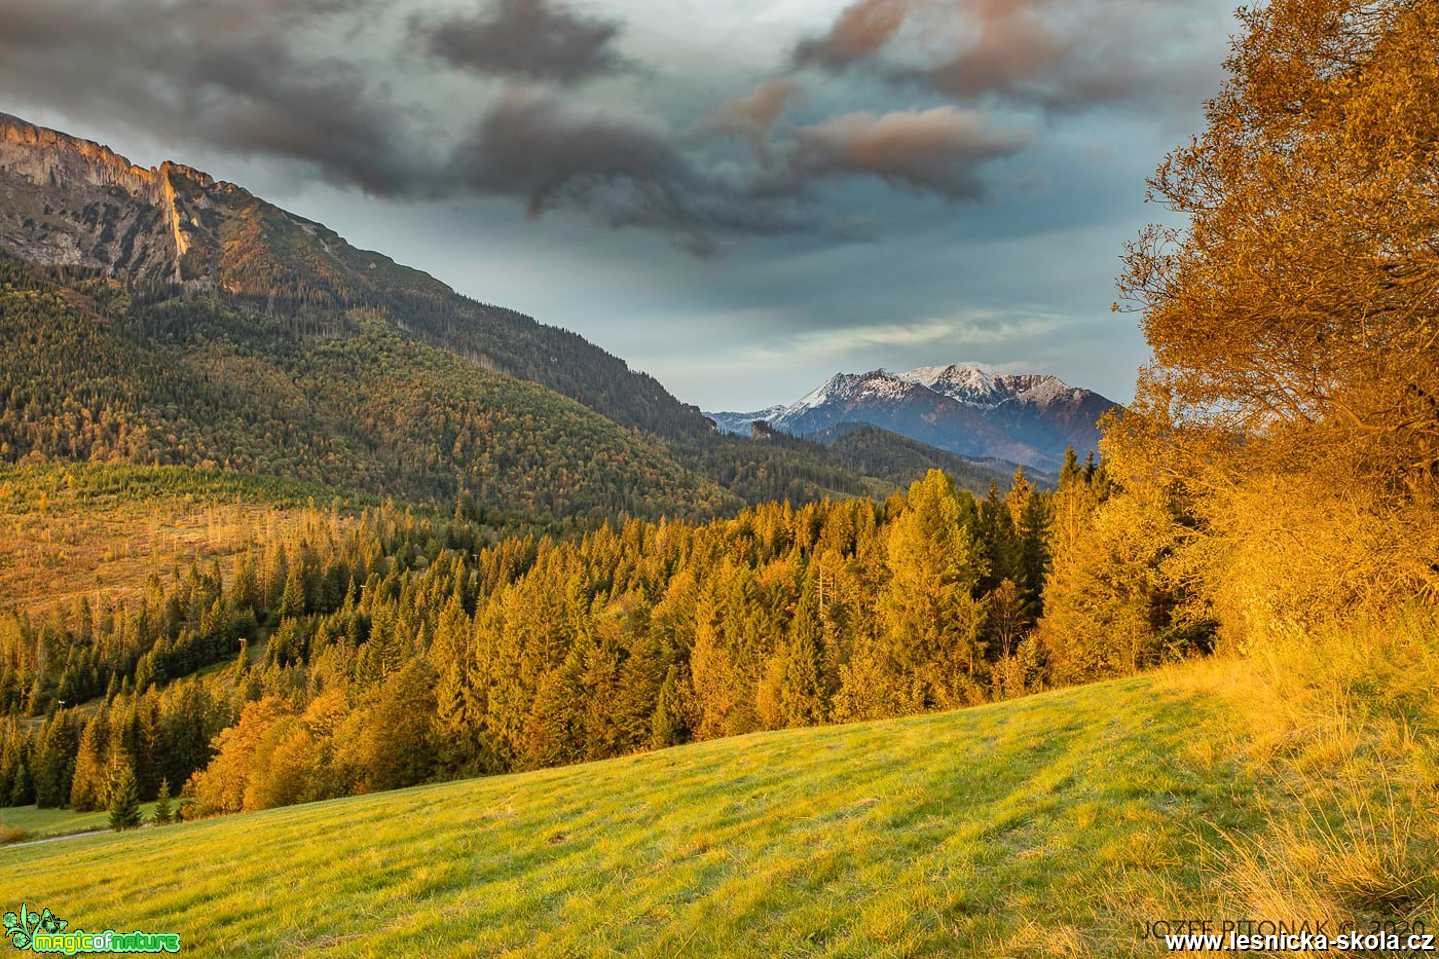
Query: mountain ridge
{"x": 1027, "y": 418}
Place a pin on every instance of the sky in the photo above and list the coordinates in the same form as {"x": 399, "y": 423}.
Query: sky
{"x": 740, "y": 198}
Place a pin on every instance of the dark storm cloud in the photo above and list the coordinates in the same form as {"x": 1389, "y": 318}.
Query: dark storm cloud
{"x": 543, "y": 148}
{"x": 535, "y": 145}
{"x": 1061, "y": 57}
{"x": 537, "y": 39}
{"x": 246, "y": 78}
{"x": 218, "y": 74}
{"x": 938, "y": 150}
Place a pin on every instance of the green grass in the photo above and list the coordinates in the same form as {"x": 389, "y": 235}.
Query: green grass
{"x": 985, "y": 832}
{"x": 46, "y": 823}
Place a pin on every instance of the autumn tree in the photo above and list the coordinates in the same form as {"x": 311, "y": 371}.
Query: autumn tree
{"x": 164, "y": 813}
{"x": 927, "y": 651}
{"x": 1292, "y": 316}
{"x": 1295, "y": 301}
{"x": 89, "y": 782}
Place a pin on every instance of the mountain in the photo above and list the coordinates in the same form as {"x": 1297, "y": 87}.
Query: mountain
{"x": 162, "y": 316}
{"x": 1026, "y": 418}
{"x": 72, "y": 203}
{"x": 738, "y": 424}
{"x": 90, "y": 374}
{"x": 899, "y": 460}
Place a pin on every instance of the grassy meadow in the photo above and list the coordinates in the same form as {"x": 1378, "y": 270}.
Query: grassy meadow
{"x": 50, "y": 823}
{"x": 1024, "y": 828}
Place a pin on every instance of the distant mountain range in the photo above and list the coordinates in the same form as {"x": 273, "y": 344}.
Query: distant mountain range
{"x": 1026, "y": 418}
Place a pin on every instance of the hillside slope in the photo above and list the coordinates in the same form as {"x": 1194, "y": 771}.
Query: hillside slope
{"x": 1020, "y": 829}
{"x": 99, "y": 532}
{"x": 90, "y": 374}
{"x": 901, "y": 460}
{"x": 186, "y": 249}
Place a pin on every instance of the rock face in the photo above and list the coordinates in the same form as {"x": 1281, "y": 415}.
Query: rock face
{"x": 65, "y": 201}
{"x": 1025, "y": 418}
{"x": 71, "y": 202}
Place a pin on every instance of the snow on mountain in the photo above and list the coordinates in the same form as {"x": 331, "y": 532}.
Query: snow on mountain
{"x": 973, "y": 384}
{"x": 846, "y": 387}
{"x": 965, "y": 382}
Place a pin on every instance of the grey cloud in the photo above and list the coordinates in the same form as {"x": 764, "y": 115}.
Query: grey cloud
{"x": 244, "y": 78}
{"x": 938, "y": 150}
{"x": 535, "y": 145}
{"x": 222, "y": 75}
{"x": 537, "y": 39}
{"x": 626, "y": 172}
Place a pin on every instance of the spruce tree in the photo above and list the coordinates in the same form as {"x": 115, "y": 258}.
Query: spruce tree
{"x": 124, "y": 798}
{"x": 87, "y": 789}
{"x": 163, "y": 813}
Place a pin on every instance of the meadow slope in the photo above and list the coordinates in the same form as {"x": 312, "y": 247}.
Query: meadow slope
{"x": 1025, "y": 828}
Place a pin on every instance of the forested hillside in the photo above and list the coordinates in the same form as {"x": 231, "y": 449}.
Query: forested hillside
{"x": 67, "y": 201}
{"x": 897, "y": 459}
{"x": 92, "y": 373}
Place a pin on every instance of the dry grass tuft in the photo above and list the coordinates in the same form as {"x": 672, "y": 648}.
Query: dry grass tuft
{"x": 1346, "y": 719}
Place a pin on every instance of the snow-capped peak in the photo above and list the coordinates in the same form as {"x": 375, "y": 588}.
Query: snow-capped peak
{"x": 977, "y": 385}
{"x": 971, "y": 384}
{"x": 1044, "y": 390}
{"x": 965, "y": 382}
{"x": 876, "y": 384}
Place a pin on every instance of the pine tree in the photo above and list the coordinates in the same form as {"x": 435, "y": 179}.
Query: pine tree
{"x": 998, "y": 540}
{"x": 802, "y": 693}
{"x": 1020, "y": 492}
{"x": 163, "y": 813}
{"x": 55, "y": 762}
{"x": 1070, "y": 471}
{"x": 930, "y": 644}
{"x": 22, "y": 785}
{"x": 124, "y": 797}
{"x": 1033, "y": 534}
{"x": 454, "y": 724}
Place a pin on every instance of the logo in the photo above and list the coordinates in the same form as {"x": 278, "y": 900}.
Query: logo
{"x": 44, "y": 932}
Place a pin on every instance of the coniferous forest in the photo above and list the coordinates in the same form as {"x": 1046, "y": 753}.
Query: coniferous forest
{"x": 352, "y": 643}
